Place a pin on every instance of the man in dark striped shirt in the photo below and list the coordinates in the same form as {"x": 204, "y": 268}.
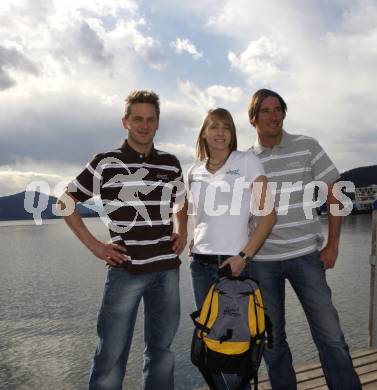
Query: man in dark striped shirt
{"x": 141, "y": 189}
{"x": 293, "y": 251}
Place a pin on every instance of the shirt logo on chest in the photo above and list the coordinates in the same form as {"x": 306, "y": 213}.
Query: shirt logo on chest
{"x": 161, "y": 176}
{"x": 294, "y": 164}
{"x": 233, "y": 172}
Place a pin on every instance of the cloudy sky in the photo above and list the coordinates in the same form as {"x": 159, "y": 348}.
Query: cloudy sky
{"x": 67, "y": 65}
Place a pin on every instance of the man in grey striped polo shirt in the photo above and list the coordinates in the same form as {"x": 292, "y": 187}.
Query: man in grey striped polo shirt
{"x": 137, "y": 185}
{"x": 293, "y": 250}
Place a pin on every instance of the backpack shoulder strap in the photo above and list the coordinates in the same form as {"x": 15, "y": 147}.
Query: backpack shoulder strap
{"x": 197, "y": 324}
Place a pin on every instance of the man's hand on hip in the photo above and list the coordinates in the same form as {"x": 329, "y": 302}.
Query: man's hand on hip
{"x": 112, "y": 254}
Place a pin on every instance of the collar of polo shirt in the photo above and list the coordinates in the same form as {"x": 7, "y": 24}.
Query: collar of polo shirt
{"x": 285, "y": 141}
{"x": 132, "y": 152}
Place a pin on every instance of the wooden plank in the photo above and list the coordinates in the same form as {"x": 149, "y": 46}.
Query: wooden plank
{"x": 264, "y": 386}
{"x": 363, "y": 352}
{"x": 358, "y": 359}
{"x": 370, "y": 377}
{"x": 364, "y": 360}
{"x": 312, "y": 384}
{"x": 366, "y": 373}
{"x": 310, "y": 376}
{"x": 366, "y": 369}
{"x": 370, "y": 386}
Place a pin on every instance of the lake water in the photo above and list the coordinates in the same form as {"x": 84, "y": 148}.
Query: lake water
{"x": 51, "y": 289}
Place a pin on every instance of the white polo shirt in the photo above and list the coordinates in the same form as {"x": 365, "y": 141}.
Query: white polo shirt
{"x": 221, "y": 203}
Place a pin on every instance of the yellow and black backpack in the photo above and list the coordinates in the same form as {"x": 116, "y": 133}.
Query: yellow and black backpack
{"x": 231, "y": 330}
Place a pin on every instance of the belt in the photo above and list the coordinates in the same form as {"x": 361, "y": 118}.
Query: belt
{"x": 210, "y": 259}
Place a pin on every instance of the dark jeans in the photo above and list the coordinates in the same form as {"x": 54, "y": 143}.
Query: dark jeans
{"x": 308, "y": 280}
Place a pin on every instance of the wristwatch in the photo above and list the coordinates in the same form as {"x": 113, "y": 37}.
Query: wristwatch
{"x": 243, "y": 256}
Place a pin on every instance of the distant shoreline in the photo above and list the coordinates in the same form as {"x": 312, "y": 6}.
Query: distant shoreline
{"x": 30, "y": 222}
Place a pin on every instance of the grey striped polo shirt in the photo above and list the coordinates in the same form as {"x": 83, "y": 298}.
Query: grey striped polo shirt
{"x": 290, "y": 166}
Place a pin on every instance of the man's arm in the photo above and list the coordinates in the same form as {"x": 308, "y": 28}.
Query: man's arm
{"x": 329, "y": 253}
{"x": 179, "y": 238}
{"x": 112, "y": 254}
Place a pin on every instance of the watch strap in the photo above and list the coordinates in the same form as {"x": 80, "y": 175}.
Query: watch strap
{"x": 243, "y": 256}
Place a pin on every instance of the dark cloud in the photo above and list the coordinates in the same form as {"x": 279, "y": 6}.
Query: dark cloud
{"x": 61, "y": 128}
{"x": 11, "y": 58}
{"x": 70, "y": 128}
{"x": 92, "y": 45}
{"x": 5, "y": 80}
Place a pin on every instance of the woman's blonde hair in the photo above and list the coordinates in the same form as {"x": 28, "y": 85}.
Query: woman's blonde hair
{"x": 223, "y": 115}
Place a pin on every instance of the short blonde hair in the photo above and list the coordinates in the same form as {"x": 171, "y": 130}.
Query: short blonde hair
{"x": 142, "y": 97}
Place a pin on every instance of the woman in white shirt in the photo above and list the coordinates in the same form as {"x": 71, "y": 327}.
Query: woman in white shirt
{"x": 225, "y": 186}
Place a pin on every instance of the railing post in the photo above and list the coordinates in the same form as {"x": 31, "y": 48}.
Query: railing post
{"x": 373, "y": 287}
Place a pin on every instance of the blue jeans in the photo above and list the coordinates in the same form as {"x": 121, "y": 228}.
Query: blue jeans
{"x": 308, "y": 280}
{"x": 116, "y": 321}
{"x": 203, "y": 276}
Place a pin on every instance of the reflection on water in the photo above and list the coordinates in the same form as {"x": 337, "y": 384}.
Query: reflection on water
{"x": 51, "y": 288}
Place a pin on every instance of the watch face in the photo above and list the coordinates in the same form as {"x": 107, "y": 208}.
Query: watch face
{"x": 243, "y": 256}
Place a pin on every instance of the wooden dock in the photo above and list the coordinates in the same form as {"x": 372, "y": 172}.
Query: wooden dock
{"x": 310, "y": 376}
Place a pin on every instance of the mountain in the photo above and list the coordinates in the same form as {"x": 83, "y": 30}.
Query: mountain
{"x": 361, "y": 177}
{"x": 27, "y": 204}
